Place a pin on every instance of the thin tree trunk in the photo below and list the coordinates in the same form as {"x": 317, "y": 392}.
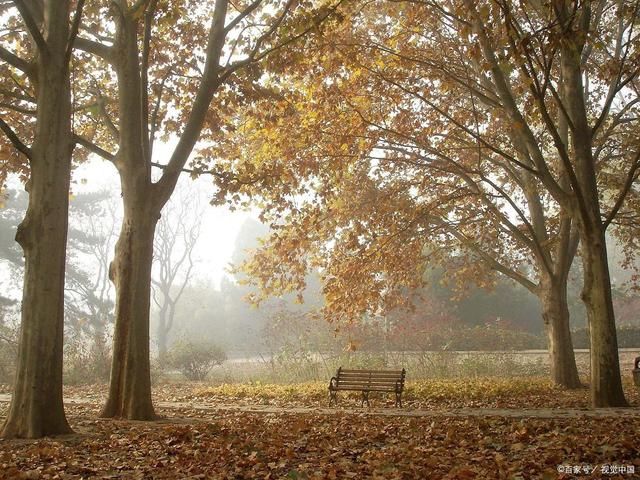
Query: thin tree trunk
{"x": 36, "y": 408}
{"x": 130, "y": 385}
{"x": 555, "y": 312}
{"x": 162, "y": 337}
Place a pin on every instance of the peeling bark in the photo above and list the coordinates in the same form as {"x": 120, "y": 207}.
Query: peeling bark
{"x": 606, "y": 384}
{"x": 555, "y": 312}
{"x": 36, "y": 408}
{"x": 130, "y": 386}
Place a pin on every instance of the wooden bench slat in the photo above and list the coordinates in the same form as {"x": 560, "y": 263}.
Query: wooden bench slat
{"x": 372, "y": 389}
{"x": 375, "y": 379}
{"x": 382, "y": 372}
{"x": 366, "y": 385}
{"x": 366, "y": 382}
{"x": 368, "y": 379}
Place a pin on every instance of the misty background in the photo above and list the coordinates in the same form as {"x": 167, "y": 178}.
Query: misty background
{"x": 198, "y": 298}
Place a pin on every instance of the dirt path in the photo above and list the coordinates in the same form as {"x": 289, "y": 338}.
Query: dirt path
{"x": 386, "y": 412}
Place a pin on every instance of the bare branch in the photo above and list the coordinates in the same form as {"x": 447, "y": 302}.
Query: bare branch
{"x": 493, "y": 262}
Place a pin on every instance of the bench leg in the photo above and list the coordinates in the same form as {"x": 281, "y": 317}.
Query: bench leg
{"x": 332, "y": 397}
{"x": 399, "y": 399}
{"x": 365, "y": 397}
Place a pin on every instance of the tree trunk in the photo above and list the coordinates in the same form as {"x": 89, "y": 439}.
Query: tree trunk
{"x": 36, "y": 408}
{"x": 130, "y": 385}
{"x": 606, "y": 384}
{"x": 555, "y": 312}
{"x": 162, "y": 338}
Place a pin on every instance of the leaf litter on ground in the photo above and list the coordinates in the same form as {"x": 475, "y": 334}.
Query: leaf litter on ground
{"x": 226, "y": 444}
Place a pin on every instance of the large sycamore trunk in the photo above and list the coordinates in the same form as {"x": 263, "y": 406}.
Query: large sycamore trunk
{"x": 130, "y": 385}
{"x": 606, "y": 384}
{"x": 555, "y": 312}
{"x": 36, "y": 408}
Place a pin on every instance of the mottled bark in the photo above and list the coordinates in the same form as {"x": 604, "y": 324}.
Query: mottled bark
{"x": 555, "y": 312}
{"x": 36, "y": 408}
{"x": 130, "y": 382}
{"x": 606, "y": 384}
{"x": 130, "y": 385}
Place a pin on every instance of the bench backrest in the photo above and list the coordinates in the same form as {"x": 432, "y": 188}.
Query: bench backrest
{"x": 361, "y": 379}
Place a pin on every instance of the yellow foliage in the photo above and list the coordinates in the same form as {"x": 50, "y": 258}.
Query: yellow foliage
{"x": 480, "y": 389}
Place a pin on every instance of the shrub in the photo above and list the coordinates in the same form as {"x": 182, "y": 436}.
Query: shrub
{"x": 628, "y": 337}
{"x": 87, "y": 359}
{"x": 488, "y": 337}
{"x": 195, "y": 360}
{"x": 8, "y": 355}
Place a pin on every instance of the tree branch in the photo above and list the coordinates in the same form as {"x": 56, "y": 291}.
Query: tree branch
{"x": 31, "y": 25}
{"x": 13, "y": 138}
{"x": 632, "y": 176}
{"x": 94, "y": 48}
{"x": 93, "y": 148}
{"x": 233, "y": 23}
{"x": 255, "y": 55}
{"x": 150, "y": 9}
{"x": 73, "y": 34}
{"x": 208, "y": 85}
{"x": 15, "y": 61}
{"x": 16, "y": 108}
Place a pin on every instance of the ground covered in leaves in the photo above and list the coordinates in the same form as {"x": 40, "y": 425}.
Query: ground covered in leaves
{"x": 489, "y": 392}
{"x": 196, "y": 443}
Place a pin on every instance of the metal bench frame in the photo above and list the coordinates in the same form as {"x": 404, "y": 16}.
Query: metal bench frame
{"x": 367, "y": 381}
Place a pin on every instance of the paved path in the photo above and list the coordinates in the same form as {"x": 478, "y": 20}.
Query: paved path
{"x": 386, "y": 412}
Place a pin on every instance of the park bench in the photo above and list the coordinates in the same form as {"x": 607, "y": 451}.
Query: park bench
{"x": 367, "y": 381}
